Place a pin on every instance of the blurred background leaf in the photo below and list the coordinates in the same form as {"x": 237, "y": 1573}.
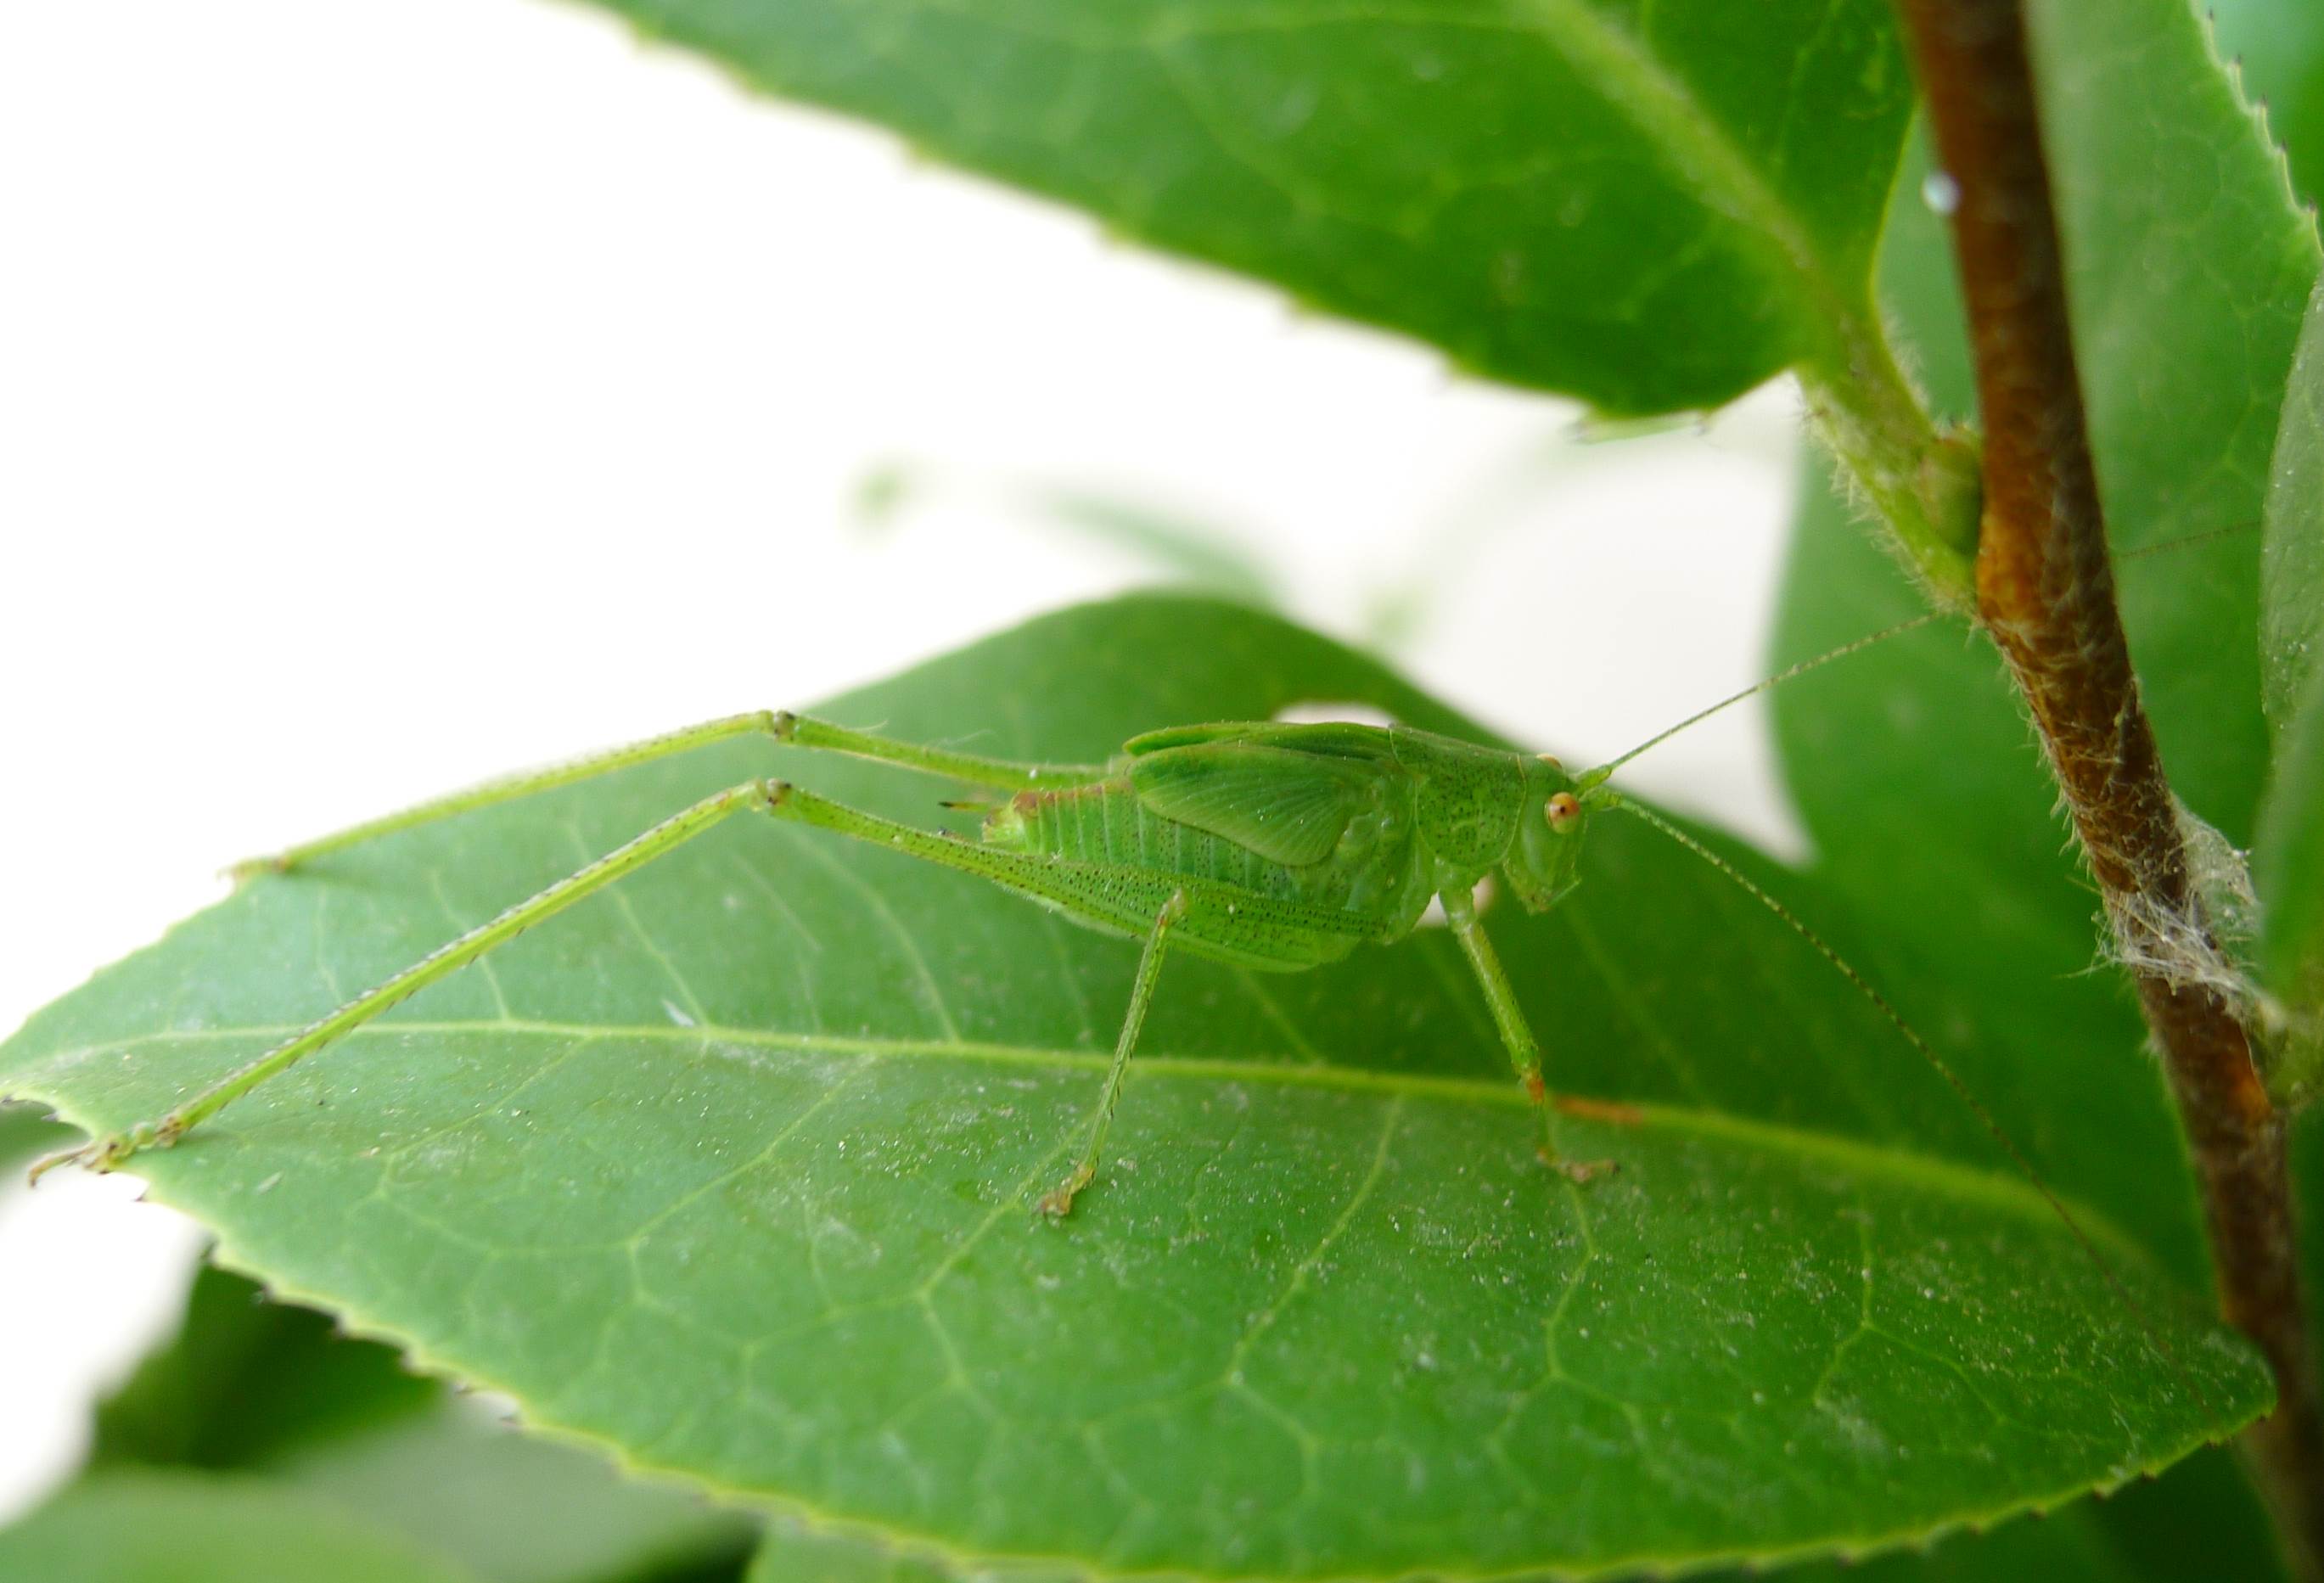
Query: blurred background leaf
{"x": 26, "y": 1131}
{"x": 2277, "y": 49}
{"x": 283, "y": 1429}
{"x": 173, "y": 1525}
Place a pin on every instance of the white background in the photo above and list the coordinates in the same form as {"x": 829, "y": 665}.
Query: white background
{"x": 395, "y": 391}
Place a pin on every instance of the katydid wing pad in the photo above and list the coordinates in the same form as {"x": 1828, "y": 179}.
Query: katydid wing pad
{"x": 1287, "y": 806}
{"x": 1368, "y": 744}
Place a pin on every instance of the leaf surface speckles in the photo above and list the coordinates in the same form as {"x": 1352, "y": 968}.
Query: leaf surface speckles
{"x": 733, "y": 1169}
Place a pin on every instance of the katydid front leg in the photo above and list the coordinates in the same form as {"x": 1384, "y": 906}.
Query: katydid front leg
{"x": 1525, "y": 1054}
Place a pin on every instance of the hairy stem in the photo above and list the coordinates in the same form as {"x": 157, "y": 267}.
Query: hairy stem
{"x": 1922, "y": 481}
{"x": 2046, "y": 593}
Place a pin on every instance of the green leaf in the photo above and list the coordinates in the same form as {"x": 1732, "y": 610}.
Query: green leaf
{"x": 516, "y": 1507}
{"x": 2186, "y": 286}
{"x": 1651, "y": 207}
{"x": 1918, "y": 778}
{"x": 2278, "y": 48}
{"x": 25, "y": 1130}
{"x": 255, "y": 1387}
{"x": 2288, "y": 862}
{"x": 2200, "y": 1520}
{"x": 731, "y": 1169}
{"x": 2291, "y": 562}
{"x": 180, "y": 1527}
{"x": 2141, "y": 1535}
{"x": 1193, "y": 556}
{"x": 244, "y": 1379}
{"x": 2288, "y": 873}
{"x": 787, "y": 1554}
{"x": 1913, "y": 766}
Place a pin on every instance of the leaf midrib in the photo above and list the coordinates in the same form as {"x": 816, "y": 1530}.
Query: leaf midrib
{"x": 1632, "y": 79}
{"x": 1963, "y": 1183}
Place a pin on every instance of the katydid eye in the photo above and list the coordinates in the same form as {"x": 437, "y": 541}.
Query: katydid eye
{"x": 1563, "y": 811}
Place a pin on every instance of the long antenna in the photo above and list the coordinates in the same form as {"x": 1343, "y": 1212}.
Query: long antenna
{"x": 2187, "y": 540}
{"x": 1594, "y": 777}
{"x": 1937, "y": 1064}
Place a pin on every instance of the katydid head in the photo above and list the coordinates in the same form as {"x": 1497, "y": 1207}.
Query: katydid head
{"x": 1543, "y": 861}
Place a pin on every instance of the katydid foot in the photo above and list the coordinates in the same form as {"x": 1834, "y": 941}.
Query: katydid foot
{"x": 1580, "y": 1170}
{"x": 1058, "y": 1201}
{"x": 111, "y": 1152}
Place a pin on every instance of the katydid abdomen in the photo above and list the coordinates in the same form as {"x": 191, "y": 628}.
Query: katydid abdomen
{"x": 1214, "y": 918}
{"x": 1375, "y": 877}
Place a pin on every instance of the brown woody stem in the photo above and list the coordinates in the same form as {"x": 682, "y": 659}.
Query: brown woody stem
{"x": 2046, "y": 593}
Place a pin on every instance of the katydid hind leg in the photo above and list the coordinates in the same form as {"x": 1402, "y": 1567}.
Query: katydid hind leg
{"x": 1005, "y": 774}
{"x": 1059, "y": 1199}
{"x": 768, "y": 723}
{"x": 106, "y": 1153}
{"x": 779, "y": 726}
{"x": 1517, "y": 1034}
{"x": 778, "y": 800}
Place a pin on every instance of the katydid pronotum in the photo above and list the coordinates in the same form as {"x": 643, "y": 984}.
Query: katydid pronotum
{"x": 1267, "y": 845}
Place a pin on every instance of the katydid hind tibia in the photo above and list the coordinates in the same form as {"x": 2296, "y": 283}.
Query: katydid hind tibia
{"x": 1268, "y": 846}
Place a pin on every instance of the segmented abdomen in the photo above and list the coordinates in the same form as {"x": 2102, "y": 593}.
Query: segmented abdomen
{"x": 1373, "y": 875}
{"x": 1105, "y": 822}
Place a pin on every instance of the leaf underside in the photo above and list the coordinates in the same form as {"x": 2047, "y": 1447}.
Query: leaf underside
{"x": 2288, "y": 864}
{"x": 2291, "y": 552}
{"x": 731, "y": 1169}
{"x": 1652, "y": 207}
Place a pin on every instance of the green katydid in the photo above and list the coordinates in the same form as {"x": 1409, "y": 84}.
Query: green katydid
{"x": 1267, "y": 845}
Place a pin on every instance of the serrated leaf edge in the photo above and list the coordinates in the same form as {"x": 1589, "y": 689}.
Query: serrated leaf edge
{"x": 1973, "y": 1185}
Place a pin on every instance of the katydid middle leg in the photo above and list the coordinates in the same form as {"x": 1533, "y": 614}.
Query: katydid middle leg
{"x": 1059, "y": 1199}
{"x": 1524, "y": 1052}
{"x": 1051, "y": 881}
